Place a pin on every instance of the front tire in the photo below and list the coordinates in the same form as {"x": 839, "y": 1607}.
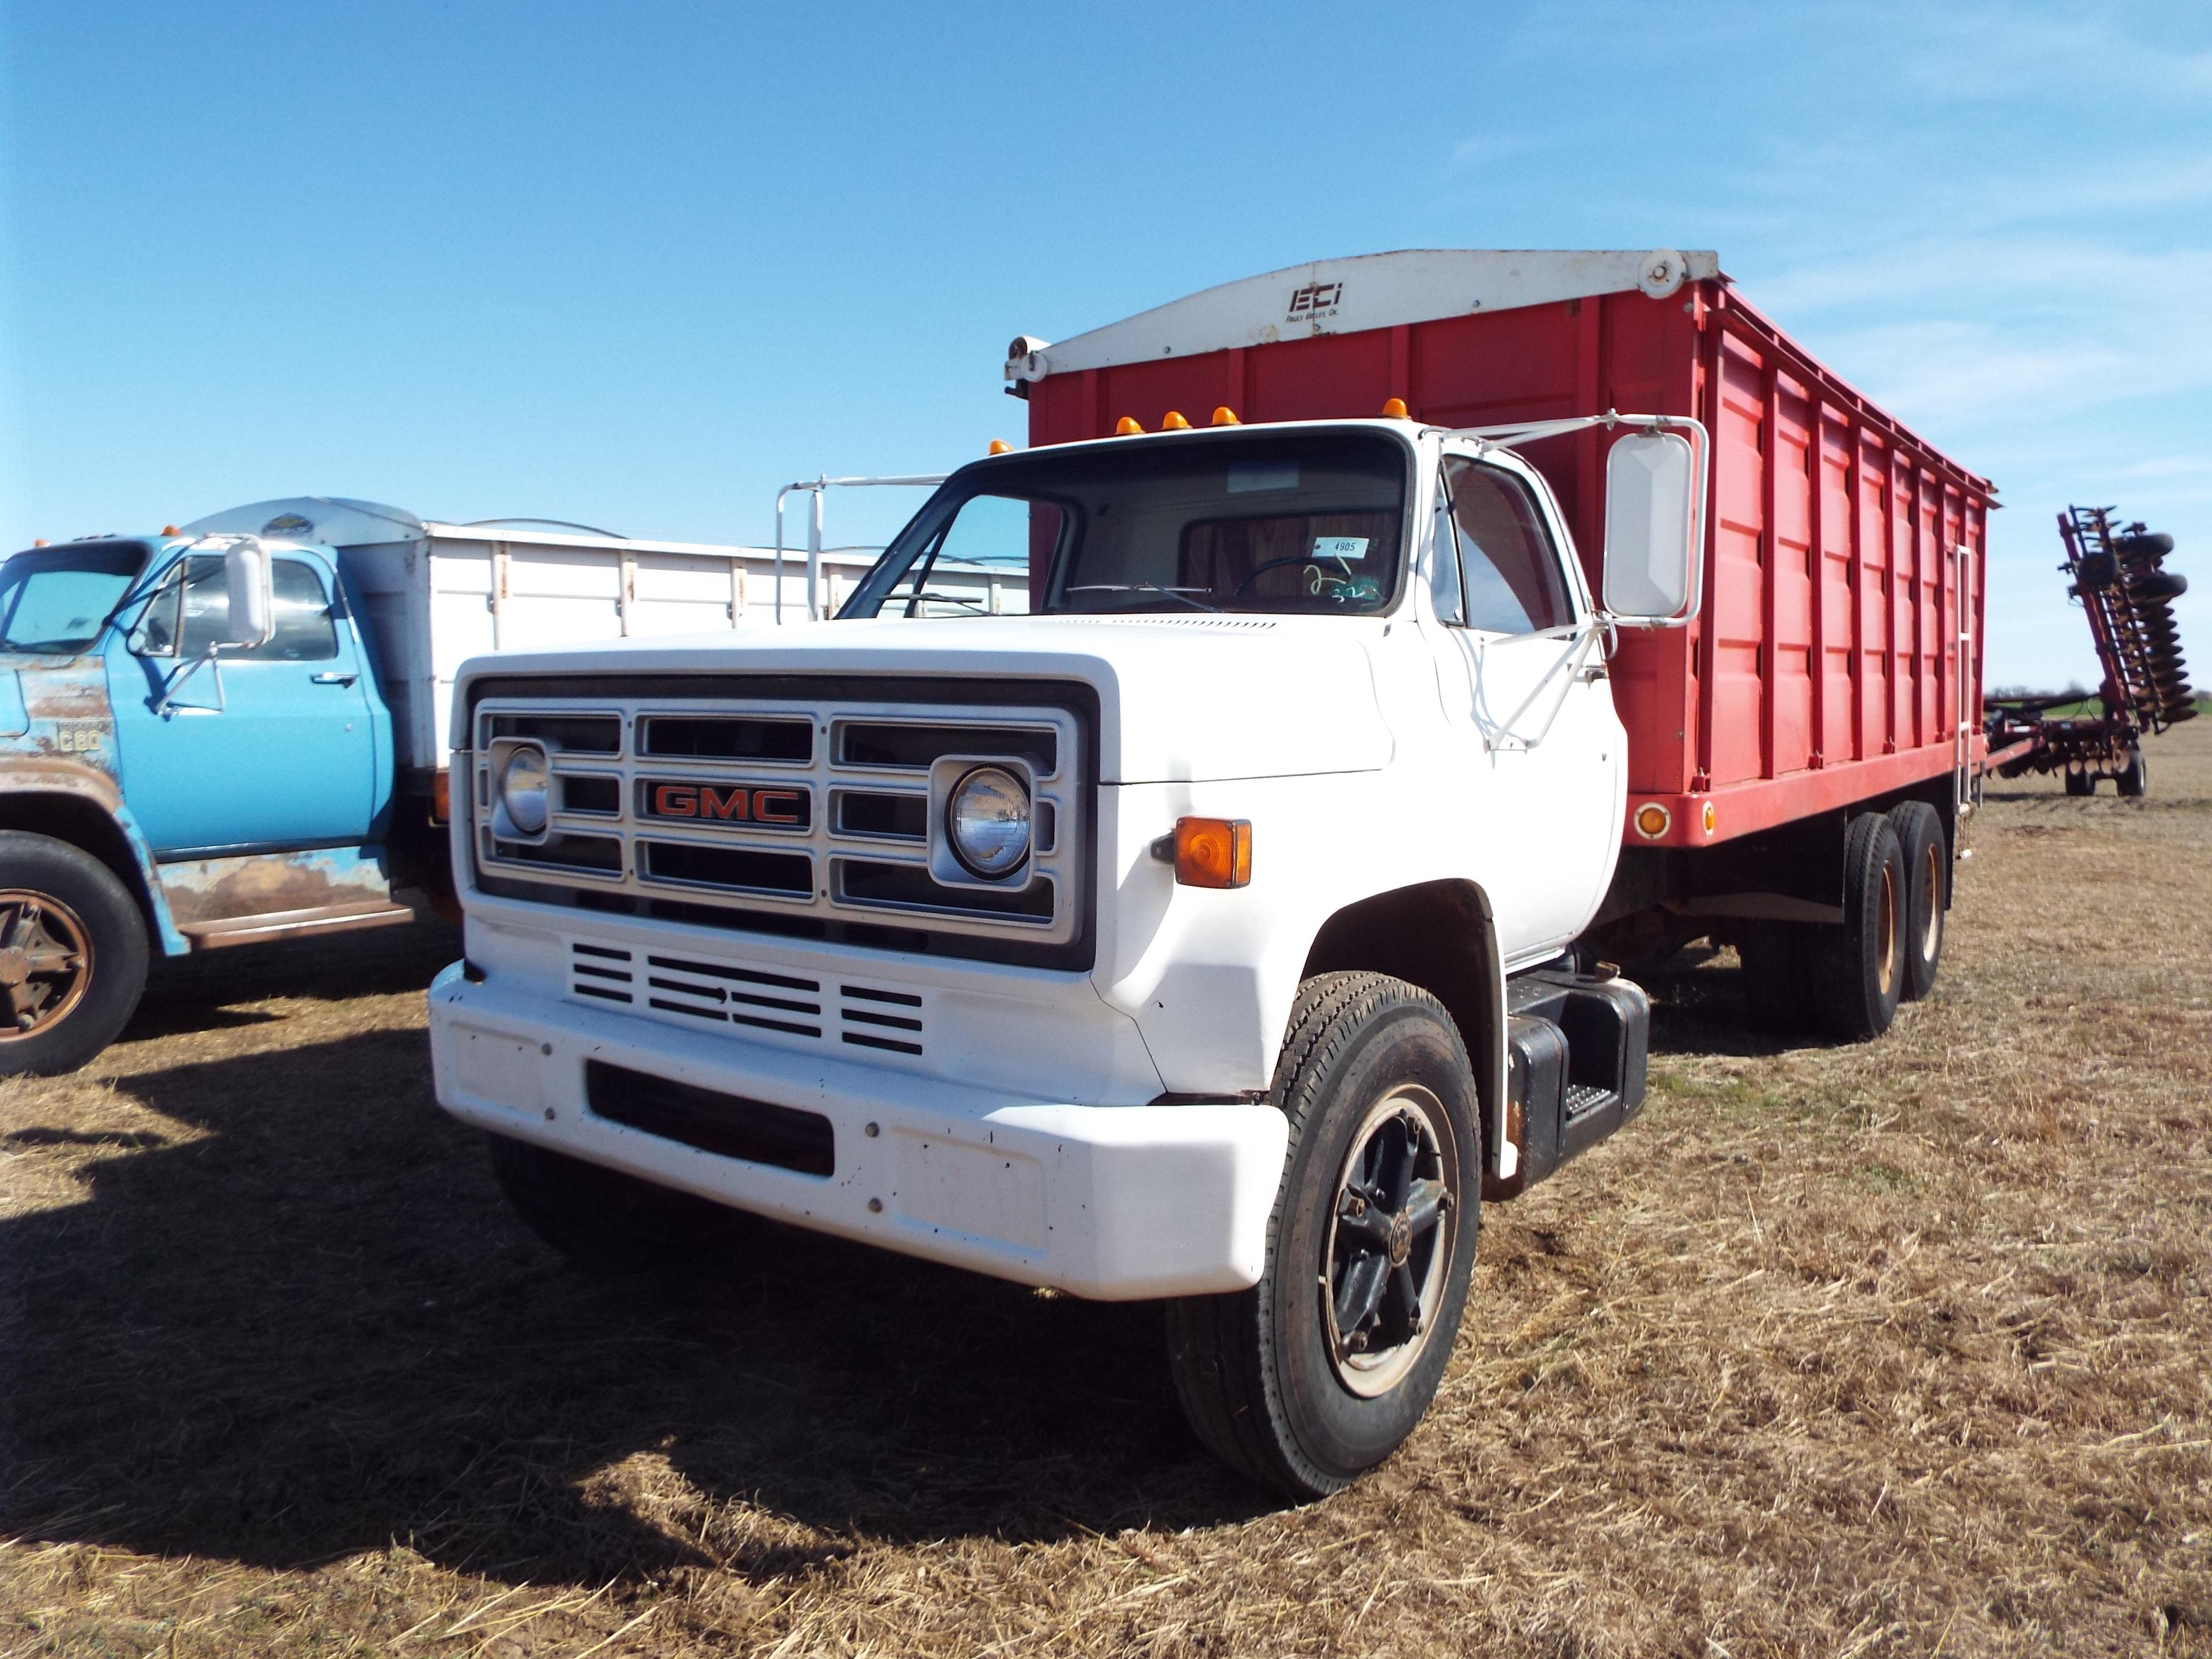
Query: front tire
{"x": 73, "y": 956}
{"x": 1321, "y": 1370}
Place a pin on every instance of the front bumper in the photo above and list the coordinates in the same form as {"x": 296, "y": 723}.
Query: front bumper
{"x": 1119, "y": 1203}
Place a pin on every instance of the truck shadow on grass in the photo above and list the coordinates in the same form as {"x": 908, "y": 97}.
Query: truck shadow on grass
{"x": 317, "y": 1329}
{"x": 201, "y": 993}
{"x": 1697, "y": 1008}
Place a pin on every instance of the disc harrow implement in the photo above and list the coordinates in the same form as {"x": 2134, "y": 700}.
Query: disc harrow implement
{"x": 2119, "y": 574}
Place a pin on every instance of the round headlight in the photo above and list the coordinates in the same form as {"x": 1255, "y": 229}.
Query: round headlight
{"x": 522, "y": 790}
{"x": 987, "y": 818}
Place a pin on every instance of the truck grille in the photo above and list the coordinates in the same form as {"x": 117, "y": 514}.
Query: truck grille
{"x": 812, "y": 820}
{"x": 692, "y": 991}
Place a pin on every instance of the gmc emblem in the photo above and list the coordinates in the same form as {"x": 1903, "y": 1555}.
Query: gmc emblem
{"x": 770, "y": 809}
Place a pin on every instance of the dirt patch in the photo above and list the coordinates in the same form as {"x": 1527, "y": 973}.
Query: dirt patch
{"x": 1895, "y": 1349}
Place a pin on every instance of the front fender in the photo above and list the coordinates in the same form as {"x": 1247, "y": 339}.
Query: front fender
{"x": 65, "y": 757}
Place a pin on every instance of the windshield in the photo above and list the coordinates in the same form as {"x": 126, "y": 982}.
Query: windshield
{"x": 1275, "y": 522}
{"x": 55, "y": 598}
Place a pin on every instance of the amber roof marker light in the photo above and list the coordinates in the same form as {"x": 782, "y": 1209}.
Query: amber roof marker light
{"x": 1000, "y": 446}
{"x": 1225, "y": 415}
{"x": 1127, "y": 426}
{"x": 1393, "y": 408}
{"x": 1173, "y": 421}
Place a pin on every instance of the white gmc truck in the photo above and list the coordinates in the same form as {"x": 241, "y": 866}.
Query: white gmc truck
{"x": 1205, "y": 936}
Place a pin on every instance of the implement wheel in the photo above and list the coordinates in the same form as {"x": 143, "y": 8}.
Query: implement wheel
{"x": 1857, "y": 969}
{"x": 72, "y": 956}
{"x": 1919, "y": 830}
{"x": 2079, "y": 782}
{"x": 2133, "y": 780}
{"x": 1323, "y": 1368}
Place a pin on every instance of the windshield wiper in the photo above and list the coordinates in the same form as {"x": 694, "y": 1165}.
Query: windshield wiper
{"x": 913, "y": 599}
{"x": 1182, "y": 595}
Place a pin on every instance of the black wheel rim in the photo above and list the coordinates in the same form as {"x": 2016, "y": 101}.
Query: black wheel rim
{"x": 46, "y": 962}
{"x": 1389, "y": 1248}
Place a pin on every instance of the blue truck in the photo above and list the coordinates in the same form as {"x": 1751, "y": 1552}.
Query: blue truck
{"x": 234, "y": 731}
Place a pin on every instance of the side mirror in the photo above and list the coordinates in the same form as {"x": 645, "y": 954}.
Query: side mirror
{"x": 1654, "y": 514}
{"x": 248, "y": 576}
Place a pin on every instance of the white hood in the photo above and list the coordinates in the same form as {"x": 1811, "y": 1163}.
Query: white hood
{"x": 1182, "y": 699}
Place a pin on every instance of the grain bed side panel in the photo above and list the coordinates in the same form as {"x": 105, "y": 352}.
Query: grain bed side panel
{"x": 1828, "y": 636}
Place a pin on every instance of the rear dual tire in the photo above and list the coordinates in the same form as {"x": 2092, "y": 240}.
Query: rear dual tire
{"x": 1847, "y": 979}
{"x": 1927, "y": 855}
{"x": 1321, "y": 1370}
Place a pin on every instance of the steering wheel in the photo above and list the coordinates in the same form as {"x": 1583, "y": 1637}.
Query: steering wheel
{"x": 1260, "y": 570}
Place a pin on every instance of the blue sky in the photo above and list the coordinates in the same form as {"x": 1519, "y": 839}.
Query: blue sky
{"x": 639, "y": 264}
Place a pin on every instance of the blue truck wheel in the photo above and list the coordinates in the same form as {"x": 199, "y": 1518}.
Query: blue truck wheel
{"x": 73, "y": 955}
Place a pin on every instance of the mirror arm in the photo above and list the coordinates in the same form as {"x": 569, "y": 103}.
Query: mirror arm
{"x": 167, "y": 703}
{"x": 1572, "y": 660}
{"x": 1701, "y": 448}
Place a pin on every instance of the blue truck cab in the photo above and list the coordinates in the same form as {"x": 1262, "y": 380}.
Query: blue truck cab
{"x": 195, "y": 750}
{"x": 240, "y": 730}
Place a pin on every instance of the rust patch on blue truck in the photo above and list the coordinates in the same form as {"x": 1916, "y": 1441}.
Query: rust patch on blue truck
{"x": 327, "y": 886}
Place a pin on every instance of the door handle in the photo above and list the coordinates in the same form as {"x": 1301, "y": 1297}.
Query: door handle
{"x": 333, "y": 679}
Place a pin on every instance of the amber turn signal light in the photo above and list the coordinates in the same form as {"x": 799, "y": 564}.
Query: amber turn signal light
{"x": 441, "y": 798}
{"x": 1213, "y": 852}
{"x": 1652, "y": 820}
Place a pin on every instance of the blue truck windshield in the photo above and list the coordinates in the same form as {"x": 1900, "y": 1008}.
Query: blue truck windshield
{"x": 1275, "y": 522}
{"x": 55, "y": 598}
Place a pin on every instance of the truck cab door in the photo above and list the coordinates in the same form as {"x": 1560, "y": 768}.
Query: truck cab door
{"x": 265, "y": 748}
{"x": 1522, "y": 674}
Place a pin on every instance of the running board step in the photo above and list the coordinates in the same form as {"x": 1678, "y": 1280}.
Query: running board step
{"x": 1577, "y": 1045}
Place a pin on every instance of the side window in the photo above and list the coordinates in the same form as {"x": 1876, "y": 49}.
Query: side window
{"x": 1508, "y": 570}
{"x": 304, "y": 630}
{"x": 990, "y": 535}
{"x": 156, "y": 635}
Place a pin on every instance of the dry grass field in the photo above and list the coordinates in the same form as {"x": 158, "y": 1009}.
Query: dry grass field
{"x": 1897, "y": 1349}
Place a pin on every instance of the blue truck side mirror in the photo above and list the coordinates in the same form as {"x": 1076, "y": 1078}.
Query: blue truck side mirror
{"x": 247, "y": 574}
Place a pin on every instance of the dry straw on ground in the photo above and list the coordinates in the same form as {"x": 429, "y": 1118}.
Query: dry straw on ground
{"x": 1846, "y": 1350}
